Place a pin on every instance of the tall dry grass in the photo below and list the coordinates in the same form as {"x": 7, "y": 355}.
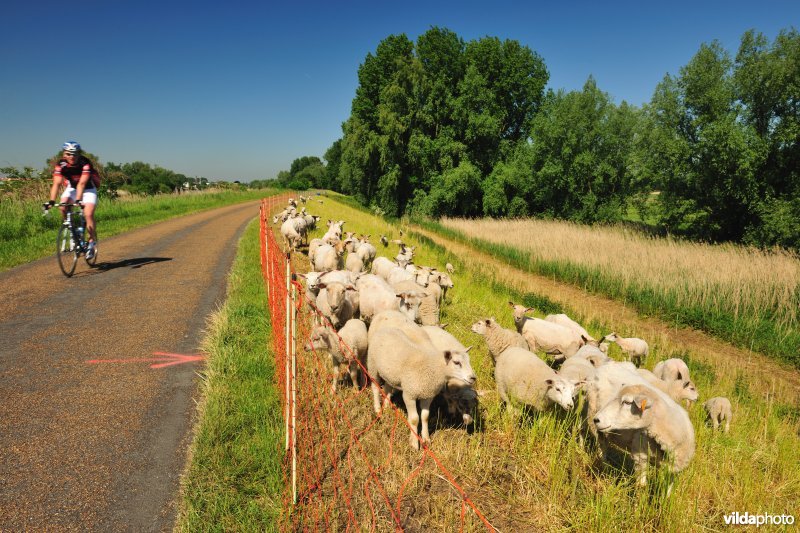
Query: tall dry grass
{"x": 742, "y": 287}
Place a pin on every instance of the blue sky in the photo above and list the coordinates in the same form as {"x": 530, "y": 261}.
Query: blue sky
{"x": 237, "y": 90}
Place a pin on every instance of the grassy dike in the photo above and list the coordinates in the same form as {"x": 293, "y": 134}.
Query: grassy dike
{"x": 233, "y": 480}
{"x": 533, "y": 474}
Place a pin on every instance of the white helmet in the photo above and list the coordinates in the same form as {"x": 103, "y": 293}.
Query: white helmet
{"x": 71, "y": 146}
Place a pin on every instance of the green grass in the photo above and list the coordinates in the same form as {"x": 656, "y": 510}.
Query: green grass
{"x": 25, "y": 235}
{"x": 534, "y": 474}
{"x": 233, "y": 481}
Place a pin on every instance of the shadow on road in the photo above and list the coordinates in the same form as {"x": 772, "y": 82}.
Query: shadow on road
{"x": 137, "y": 262}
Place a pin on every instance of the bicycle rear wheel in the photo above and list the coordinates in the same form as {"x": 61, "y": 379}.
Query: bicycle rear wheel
{"x": 66, "y": 251}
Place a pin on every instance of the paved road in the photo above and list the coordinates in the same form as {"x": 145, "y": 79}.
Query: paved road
{"x": 101, "y": 445}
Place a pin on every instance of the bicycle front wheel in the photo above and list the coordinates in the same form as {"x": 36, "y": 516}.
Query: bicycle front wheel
{"x": 66, "y": 251}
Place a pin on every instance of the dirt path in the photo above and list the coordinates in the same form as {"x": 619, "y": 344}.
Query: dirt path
{"x": 766, "y": 375}
{"x": 101, "y": 445}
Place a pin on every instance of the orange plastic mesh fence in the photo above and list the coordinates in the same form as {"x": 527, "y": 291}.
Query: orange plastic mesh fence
{"x": 354, "y": 470}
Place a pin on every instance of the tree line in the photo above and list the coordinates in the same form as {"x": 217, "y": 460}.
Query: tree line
{"x": 441, "y": 126}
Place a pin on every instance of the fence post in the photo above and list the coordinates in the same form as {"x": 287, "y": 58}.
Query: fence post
{"x": 294, "y": 394}
{"x": 288, "y": 346}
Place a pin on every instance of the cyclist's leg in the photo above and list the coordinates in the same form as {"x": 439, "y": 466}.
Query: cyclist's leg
{"x": 67, "y": 197}
{"x": 89, "y": 204}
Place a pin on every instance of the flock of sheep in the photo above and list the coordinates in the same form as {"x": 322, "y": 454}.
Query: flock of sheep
{"x": 382, "y": 315}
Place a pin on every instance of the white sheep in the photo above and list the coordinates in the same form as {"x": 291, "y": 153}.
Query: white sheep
{"x": 396, "y": 363}
{"x": 497, "y": 337}
{"x": 354, "y": 263}
{"x": 596, "y": 356}
{"x": 578, "y": 370}
{"x": 521, "y": 376}
{"x": 563, "y": 320}
{"x": 649, "y": 427}
{"x": 348, "y": 348}
{"x": 671, "y": 369}
{"x": 718, "y": 410}
{"x": 678, "y": 390}
{"x": 381, "y": 266}
{"x": 337, "y": 302}
{"x": 384, "y": 241}
{"x": 313, "y": 246}
{"x": 552, "y": 339}
{"x": 366, "y": 251}
{"x": 290, "y": 235}
{"x": 375, "y": 295}
{"x": 450, "y": 269}
{"x": 634, "y": 349}
{"x": 461, "y": 399}
{"x": 328, "y": 257}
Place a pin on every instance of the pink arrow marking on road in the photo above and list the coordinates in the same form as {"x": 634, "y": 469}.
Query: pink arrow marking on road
{"x": 167, "y": 359}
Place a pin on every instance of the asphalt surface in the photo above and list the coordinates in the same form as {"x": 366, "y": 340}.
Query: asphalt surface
{"x": 92, "y": 436}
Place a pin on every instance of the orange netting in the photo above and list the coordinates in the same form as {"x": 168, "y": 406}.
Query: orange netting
{"x": 345, "y": 468}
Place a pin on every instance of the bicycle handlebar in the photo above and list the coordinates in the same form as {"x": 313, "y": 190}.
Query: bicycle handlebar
{"x": 47, "y": 206}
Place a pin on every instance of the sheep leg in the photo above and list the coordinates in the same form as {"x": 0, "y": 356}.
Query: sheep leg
{"x": 425, "y": 411}
{"x": 715, "y": 422}
{"x": 353, "y": 368}
{"x": 376, "y": 396}
{"x": 639, "y": 454}
{"x": 413, "y": 419}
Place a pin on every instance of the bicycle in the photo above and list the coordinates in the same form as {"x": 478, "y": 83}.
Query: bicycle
{"x": 71, "y": 240}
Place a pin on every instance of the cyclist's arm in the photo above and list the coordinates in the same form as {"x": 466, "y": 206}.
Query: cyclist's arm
{"x": 85, "y": 175}
{"x": 58, "y": 179}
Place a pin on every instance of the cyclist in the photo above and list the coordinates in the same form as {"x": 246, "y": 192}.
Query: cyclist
{"x": 80, "y": 179}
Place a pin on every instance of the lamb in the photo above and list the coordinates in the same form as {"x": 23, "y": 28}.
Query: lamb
{"x": 578, "y": 370}
{"x": 444, "y": 281}
{"x": 634, "y": 349}
{"x": 671, "y": 369}
{"x": 351, "y": 351}
{"x": 384, "y": 241}
{"x": 596, "y": 356}
{"x": 450, "y": 269}
{"x": 522, "y": 376}
{"x": 678, "y": 390}
{"x": 552, "y": 339}
{"x": 313, "y": 246}
{"x": 427, "y": 313}
{"x": 649, "y": 427}
{"x": 497, "y": 337}
{"x": 719, "y": 409}
{"x": 395, "y": 362}
{"x": 334, "y": 304}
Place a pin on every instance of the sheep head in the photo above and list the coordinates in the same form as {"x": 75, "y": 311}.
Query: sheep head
{"x": 632, "y": 408}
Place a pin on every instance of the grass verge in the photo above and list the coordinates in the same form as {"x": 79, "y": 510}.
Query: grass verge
{"x": 233, "y": 481}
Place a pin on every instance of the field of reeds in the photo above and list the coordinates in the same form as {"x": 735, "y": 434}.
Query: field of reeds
{"x": 532, "y": 473}
{"x": 746, "y": 296}
{"x": 26, "y": 235}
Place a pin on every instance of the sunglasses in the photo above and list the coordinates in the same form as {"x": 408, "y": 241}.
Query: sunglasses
{"x": 70, "y": 154}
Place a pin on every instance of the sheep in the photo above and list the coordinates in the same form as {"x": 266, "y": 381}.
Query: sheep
{"x": 397, "y": 274}
{"x": 596, "y": 356}
{"x": 671, "y": 369}
{"x": 634, "y": 349}
{"x": 290, "y": 235}
{"x": 396, "y": 362}
{"x": 461, "y": 399}
{"x": 313, "y": 246}
{"x": 354, "y": 263}
{"x": 497, "y": 337}
{"x": 351, "y": 350}
{"x": 445, "y": 282}
{"x": 522, "y": 376}
{"x": 578, "y": 370}
{"x": 384, "y": 241}
{"x": 328, "y": 257}
{"x": 552, "y": 339}
{"x": 678, "y": 390}
{"x": 563, "y": 320}
{"x": 376, "y": 295}
{"x": 366, "y": 251}
{"x": 427, "y": 312}
{"x": 649, "y": 427}
{"x": 381, "y": 266}
{"x": 334, "y": 233}
{"x": 334, "y": 304}
{"x": 450, "y": 269}
{"x": 719, "y": 409}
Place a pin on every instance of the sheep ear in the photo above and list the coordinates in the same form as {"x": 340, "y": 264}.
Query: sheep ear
{"x": 549, "y": 382}
{"x": 680, "y": 376}
{"x": 448, "y": 355}
{"x": 511, "y": 303}
{"x": 529, "y": 309}
{"x": 488, "y": 321}
{"x": 468, "y": 349}
{"x": 585, "y": 340}
{"x": 322, "y": 285}
{"x": 443, "y": 326}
